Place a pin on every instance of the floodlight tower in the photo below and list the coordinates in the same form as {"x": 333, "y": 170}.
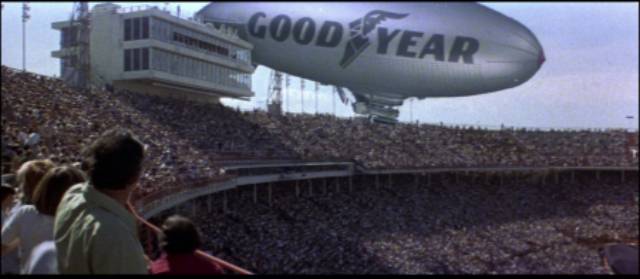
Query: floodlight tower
{"x": 275, "y": 93}
{"x": 81, "y": 15}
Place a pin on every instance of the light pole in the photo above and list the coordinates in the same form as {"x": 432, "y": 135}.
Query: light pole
{"x": 316, "y": 89}
{"x": 411, "y": 111}
{"x": 333, "y": 96}
{"x": 25, "y": 17}
{"x": 286, "y": 88}
{"x": 301, "y": 96}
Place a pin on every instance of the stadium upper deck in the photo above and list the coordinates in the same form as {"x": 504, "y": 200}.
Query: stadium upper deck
{"x": 187, "y": 141}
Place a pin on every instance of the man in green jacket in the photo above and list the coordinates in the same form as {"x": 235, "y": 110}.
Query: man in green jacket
{"x": 94, "y": 232}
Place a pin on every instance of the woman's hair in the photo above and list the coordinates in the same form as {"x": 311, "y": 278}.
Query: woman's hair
{"x": 29, "y": 175}
{"x": 179, "y": 235}
{"x": 52, "y": 187}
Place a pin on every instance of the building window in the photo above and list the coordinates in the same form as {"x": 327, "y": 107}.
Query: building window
{"x": 145, "y": 59}
{"x": 145, "y": 28}
{"x": 69, "y": 36}
{"x": 136, "y": 59}
{"x": 193, "y": 68}
{"x": 136, "y": 28}
{"x": 192, "y": 42}
{"x": 127, "y": 60}
{"x": 127, "y": 29}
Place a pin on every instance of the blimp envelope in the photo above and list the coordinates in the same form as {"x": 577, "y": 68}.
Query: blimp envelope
{"x": 385, "y": 53}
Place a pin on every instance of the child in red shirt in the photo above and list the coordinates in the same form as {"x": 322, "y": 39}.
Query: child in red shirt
{"x": 179, "y": 240}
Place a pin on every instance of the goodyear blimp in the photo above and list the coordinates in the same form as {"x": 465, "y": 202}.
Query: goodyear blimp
{"x": 385, "y": 53}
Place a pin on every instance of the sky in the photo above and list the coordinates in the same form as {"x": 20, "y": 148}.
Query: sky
{"x": 589, "y": 80}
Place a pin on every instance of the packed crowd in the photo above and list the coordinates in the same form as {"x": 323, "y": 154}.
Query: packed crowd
{"x": 87, "y": 172}
{"x": 188, "y": 142}
{"x": 520, "y": 227}
{"x": 322, "y": 137}
{"x": 63, "y": 121}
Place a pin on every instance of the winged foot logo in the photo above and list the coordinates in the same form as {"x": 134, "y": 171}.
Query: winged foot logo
{"x": 359, "y": 31}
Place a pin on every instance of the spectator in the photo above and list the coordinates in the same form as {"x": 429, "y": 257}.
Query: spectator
{"x": 621, "y": 258}
{"x": 7, "y": 194}
{"x": 47, "y": 196}
{"x": 94, "y": 232}
{"x": 179, "y": 240}
{"x": 32, "y": 224}
{"x": 28, "y": 177}
{"x": 10, "y": 261}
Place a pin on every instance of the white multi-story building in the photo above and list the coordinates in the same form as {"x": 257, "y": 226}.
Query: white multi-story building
{"x": 150, "y": 51}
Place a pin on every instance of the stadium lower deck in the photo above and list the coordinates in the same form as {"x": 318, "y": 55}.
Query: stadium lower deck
{"x": 468, "y": 227}
{"x": 452, "y": 225}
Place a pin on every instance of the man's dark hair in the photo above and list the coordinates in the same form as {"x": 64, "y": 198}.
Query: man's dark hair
{"x": 179, "y": 236}
{"x": 115, "y": 159}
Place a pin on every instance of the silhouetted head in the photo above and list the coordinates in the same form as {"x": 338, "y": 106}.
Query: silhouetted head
{"x": 6, "y": 193}
{"x": 179, "y": 236}
{"x": 114, "y": 160}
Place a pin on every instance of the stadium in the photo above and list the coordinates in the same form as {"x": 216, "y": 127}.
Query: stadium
{"x": 282, "y": 193}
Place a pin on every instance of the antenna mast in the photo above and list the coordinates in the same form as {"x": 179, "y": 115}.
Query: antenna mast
{"x": 275, "y": 93}
{"x": 79, "y": 73}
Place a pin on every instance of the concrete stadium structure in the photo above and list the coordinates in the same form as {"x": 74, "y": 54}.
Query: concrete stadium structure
{"x": 342, "y": 174}
{"x": 150, "y": 51}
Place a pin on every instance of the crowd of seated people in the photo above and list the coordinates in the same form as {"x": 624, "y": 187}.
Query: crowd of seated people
{"x": 187, "y": 142}
{"x": 323, "y": 137}
{"x": 520, "y": 227}
{"x": 66, "y": 120}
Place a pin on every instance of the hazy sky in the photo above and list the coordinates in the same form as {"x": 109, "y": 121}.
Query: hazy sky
{"x": 590, "y": 78}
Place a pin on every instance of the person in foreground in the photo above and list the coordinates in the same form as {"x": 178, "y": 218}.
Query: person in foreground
{"x": 46, "y": 197}
{"x": 27, "y": 225}
{"x": 93, "y": 231}
{"x": 179, "y": 240}
{"x": 10, "y": 263}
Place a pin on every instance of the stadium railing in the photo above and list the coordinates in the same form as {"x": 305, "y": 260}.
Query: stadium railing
{"x": 149, "y": 239}
{"x": 144, "y": 198}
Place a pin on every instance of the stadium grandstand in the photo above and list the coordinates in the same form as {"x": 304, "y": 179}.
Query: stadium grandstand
{"x": 324, "y": 195}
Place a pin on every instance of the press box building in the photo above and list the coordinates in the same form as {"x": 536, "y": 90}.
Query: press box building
{"x": 150, "y": 51}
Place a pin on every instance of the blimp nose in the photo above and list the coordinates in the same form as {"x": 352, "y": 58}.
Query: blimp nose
{"x": 541, "y": 57}
{"x": 531, "y": 43}
{"x": 532, "y": 62}
{"x": 533, "y": 55}
{"x": 515, "y": 60}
